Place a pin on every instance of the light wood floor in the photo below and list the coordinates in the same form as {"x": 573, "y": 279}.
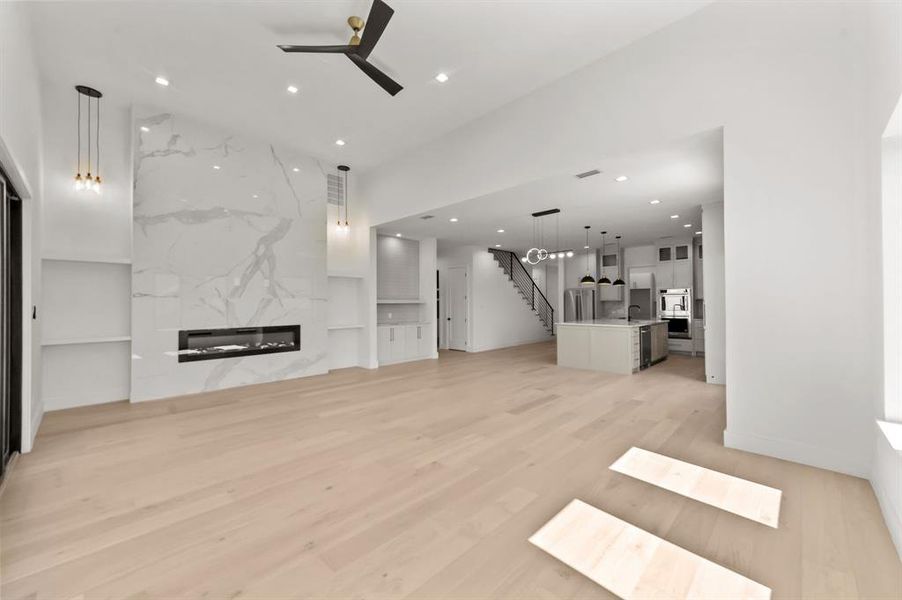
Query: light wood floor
{"x": 420, "y": 480}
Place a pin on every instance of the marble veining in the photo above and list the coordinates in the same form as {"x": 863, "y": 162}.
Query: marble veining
{"x": 243, "y": 244}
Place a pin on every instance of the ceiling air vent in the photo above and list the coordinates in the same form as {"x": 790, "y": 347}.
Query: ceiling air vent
{"x": 427, "y": 217}
{"x": 587, "y": 174}
{"x": 334, "y": 189}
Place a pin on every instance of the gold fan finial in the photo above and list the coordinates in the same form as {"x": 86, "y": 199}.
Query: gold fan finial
{"x": 356, "y": 24}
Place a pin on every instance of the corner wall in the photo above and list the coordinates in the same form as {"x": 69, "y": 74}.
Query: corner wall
{"x": 21, "y": 127}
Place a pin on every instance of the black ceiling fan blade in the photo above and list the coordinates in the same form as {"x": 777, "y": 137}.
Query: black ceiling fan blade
{"x": 319, "y": 49}
{"x": 387, "y": 83}
{"x": 380, "y": 15}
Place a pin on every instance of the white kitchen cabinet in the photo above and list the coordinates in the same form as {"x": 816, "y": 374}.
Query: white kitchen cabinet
{"x": 383, "y": 344}
{"x": 679, "y": 345}
{"x": 399, "y": 343}
{"x": 426, "y": 342}
{"x": 674, "y": 268}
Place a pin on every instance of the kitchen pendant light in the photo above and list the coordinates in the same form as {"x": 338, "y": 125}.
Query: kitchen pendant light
{"x": 88, "y": 182}
{"x": 619, "y": 281}
{"x": 587, "y": 280}
{"x": 346, "y": 228}
{"x": 604, "y": 278}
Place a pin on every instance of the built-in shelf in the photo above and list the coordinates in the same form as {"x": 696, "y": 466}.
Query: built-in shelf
{"x": 345, "y": 276}
{"x": 392, "y": 301}
{"x": 86, "y": 340}
{"x": 111, "y": 261}
{"x": 340, "y": 327}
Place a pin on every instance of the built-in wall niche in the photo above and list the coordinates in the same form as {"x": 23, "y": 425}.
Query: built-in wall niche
{"x": 86, "y": 324}
{"x": 346, "y": 321}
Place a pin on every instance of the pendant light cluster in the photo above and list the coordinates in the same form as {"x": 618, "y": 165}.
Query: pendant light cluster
{"x": 538, "y": 253}
{"x": 343, "y": 203}
{"x": 91, "y": 181}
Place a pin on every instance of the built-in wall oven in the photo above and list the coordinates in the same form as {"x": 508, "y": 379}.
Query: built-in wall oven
{"x": 675, "y": 307}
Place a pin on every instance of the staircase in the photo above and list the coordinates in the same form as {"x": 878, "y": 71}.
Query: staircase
{"x": 525, "y": 286}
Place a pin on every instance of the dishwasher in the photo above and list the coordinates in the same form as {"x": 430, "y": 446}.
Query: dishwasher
{"x": 644, "y": 347}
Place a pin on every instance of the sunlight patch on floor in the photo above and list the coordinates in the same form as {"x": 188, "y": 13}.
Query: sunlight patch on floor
{"x": 633, "y": 563}
{"x": 739, "y": 496}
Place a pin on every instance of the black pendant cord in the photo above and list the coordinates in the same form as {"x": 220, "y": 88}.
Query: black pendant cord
{"x": 346, "y": 198}
{"x": 89, "y": 135}
{"x": 97, "y": 141}
{"x": 78, "y": 129}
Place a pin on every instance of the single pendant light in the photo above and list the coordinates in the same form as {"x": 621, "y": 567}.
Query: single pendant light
{"x": 604, "y": 278}
{"x": 587, "y": 280}
{"x": 619, "y": 281}
{"x": 346, "y": 227}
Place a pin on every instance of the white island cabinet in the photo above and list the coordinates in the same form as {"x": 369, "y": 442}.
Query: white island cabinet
{"x": 610, "y": 345}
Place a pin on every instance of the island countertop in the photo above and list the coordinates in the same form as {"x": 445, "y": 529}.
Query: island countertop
{"x": 609, "y": 323}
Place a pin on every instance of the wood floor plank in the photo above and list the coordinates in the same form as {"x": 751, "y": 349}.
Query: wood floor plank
{"x": 424, "y": 479}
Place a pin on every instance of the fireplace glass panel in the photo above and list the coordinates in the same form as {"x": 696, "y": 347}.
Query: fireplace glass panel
{"x": 208, "y": 344}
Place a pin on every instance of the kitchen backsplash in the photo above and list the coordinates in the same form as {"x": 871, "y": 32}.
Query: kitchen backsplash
{"x": 398, "y": 313}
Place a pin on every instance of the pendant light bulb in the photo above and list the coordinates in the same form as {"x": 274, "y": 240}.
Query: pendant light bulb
{"x": 604, "y": 278}
{"x": 619, "y": 282}
{"x": 587, "y": 280}
{"x": 79, "y": 182}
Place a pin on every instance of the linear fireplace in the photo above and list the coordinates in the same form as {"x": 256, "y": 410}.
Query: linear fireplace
{"x": 209, "y": 344}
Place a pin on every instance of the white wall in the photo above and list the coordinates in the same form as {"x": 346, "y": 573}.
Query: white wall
{"x": 886, "y": 475}
{"x": 499, "y": 317}
{"x": 21, "y": 155}
{"x": 713, "y": 271}
{"x": 803, "y": 91}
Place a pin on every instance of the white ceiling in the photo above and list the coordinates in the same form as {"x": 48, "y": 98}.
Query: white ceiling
{"x": 223, "y": 64}
{"x": 683, "y": 175}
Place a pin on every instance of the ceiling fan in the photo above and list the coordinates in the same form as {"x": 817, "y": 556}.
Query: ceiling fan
{"x": 358, "y": 50}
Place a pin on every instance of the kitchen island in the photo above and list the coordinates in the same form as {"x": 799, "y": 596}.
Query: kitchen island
{"x": 610, "y": 345}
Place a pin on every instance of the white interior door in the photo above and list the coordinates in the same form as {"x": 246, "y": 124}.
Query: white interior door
{"x": 458, "y": 304}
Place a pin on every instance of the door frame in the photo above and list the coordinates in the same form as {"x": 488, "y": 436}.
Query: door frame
{"x": 30, "y": 417}
{"x": 446, "y": 293}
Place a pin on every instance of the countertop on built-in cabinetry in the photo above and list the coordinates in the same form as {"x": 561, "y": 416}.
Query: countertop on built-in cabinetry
{"x": 610, "y": 323}
{"x": 402, "y": 323}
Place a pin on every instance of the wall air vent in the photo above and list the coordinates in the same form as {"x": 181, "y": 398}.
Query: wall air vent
{"x": 335, "y": 188}
{"x": 588, "y": 174}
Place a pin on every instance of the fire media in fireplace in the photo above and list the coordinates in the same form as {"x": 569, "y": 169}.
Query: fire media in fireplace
{"x": 208, "y": 344}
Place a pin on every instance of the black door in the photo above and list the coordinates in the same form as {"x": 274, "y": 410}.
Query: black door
{"x": 10, "y": 322}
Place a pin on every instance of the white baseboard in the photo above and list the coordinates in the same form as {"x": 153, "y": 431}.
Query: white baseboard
{"x": 815, "y": 456}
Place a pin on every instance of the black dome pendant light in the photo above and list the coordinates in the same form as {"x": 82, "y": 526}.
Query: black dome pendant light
{"x": 619, "y": 281}
{"x": 587, "y": 280}
{"x": 604, "y": 278}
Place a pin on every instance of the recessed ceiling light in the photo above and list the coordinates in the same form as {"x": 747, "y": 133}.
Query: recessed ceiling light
{"x": 698, "y": 233}
{"x": 500, "y": 231}
{"x": 256, "y": 196}
{"x": 397, "y": 235}
{"x": 441, "y": 77}
{"x": 621, "y": 178}
{"x": 145, "y": 129}
{"x": 687, "y": 225}
{"x": 497, "y": 245}
{"x": 162, "y": 81}
{"x": 339, "y": 142}
{"x": 292, "y": 89}
{"x": 674, "y": 216}
{"x": 655, "y": 201}
{"x": 586, "y": 247}
{"x": 295, "y": 169}
{"x": 453, "y": 219}
{"x": 216, "y": 167}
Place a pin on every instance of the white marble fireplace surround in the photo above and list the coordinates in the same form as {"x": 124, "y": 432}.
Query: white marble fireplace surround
{"x": 243, "y": 244}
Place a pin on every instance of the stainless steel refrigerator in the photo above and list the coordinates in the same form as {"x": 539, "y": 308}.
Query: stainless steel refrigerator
{"x": 579, "y": 304}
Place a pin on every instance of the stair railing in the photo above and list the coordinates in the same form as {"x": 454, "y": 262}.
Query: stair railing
{"x": 526, "y": 285}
